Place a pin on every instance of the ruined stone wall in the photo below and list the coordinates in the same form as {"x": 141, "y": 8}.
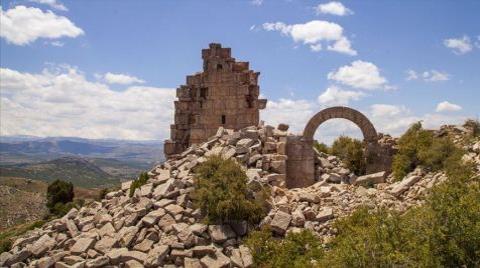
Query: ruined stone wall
{"x": 224, "y": 94}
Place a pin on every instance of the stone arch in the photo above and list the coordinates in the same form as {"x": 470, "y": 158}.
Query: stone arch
{"x": 367, "y": 128}
{"x": 301, "y": 156}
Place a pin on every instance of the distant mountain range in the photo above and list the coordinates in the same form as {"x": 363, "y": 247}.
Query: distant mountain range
{"x": 85, "y": 162}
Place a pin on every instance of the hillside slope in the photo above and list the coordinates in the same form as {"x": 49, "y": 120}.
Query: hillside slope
{"x": 73, "y": 169}
{"x": 24, "y": 200}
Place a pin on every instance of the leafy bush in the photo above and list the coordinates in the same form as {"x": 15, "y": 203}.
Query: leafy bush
{"x": 321, "y": 147}
{"x": 221, "y": 192}
{"x": 301, "y": 249}
{"x": 455, "y": 210}
{"x": 420, "y": 147}
{"x": 142, "y": 180}
{"x": 375, "y": 239}
{"x": 351, "y": 152}
{"x": 59, "y": 192}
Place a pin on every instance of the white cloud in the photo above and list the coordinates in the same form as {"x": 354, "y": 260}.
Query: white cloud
{"x": 333, "y": 8}
{"x": 446, "y": 106}
{"x": 434, "y": 76}
{"x": 313, "y": 33}
{"x": 378, "y": 110}
{"x": 296, "y": 113}
{"x": 335, "y": 96}
{"x": 63, "y": 102}
{"x": 411, "y": 75}
{"x": 122, "y": 79}
{"x": 51, "y": 3}
{"x": 360, "y": 74}
{"x": 22, "y": 25}
{"x": 459, "y": 45}
{"x": 395, "y": 120}
{"x": 256, "y": 2}
{"x": 428, "y": 76}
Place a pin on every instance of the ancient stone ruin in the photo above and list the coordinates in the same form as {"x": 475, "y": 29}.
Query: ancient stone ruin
{"x": 301, "y": 155}
{"x": 224, "y": 94}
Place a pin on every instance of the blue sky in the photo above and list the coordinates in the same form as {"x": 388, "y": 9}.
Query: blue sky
{"x": 108, "y": 69}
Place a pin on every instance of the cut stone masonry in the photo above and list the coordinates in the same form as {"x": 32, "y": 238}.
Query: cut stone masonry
{"x": 224, "y": 94}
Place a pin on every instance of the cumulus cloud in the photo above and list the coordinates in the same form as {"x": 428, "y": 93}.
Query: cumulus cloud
{"x": 428, "y": 76}
{"x": 314, "y": 33}
{"x": 23, "y": 25}
{"x": 387, "y": 118}
{"x": 336, "y": 96}
{"x": 459, "y": 46}
{"x": 62, "y": 102}
{"x": 122, "y": 79}
{"x": 396, "y": 119}
{"x": 446, "y": 106}
{"x": 378, "y": 110}
{"x": 51, "y": 3}
{"x": 296, "y": 113}
{"x": 333, "y": 8}
{"x": 360, "y": 74}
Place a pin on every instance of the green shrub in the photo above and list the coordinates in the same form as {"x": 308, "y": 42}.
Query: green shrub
{"x": 221, "y": 192}
{"x": 59, "y": 192}
{"x": 301, "y": 249}
{"x": 474, "y": 126}
{"x": 351, "y": 152}
{"x": 375, "y": 239}
{"x": 420, "y": 147}
{"x": 455, "y": 209}
{"x": 321, "y": 147}
{"x": 142, "y": 180}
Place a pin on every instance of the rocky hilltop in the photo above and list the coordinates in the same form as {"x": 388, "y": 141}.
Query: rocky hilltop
{"x": 159, "y": 226}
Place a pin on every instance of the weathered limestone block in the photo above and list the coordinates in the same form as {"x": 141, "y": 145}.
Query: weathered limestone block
{"x": 402, "y": 186}
{"x": 220, "y": 233}
{"x": 82, "y": 245}
{"x": 374, "y": 178}
{"x": 280, "y": 222}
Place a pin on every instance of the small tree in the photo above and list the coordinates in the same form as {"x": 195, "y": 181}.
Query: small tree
{"x": 351, "y": 152}
{"x": 59, "y": 192}
{"x": 473, "y": 125}
{"x": 142, "y": 180}
{"x": 221, "y": 192}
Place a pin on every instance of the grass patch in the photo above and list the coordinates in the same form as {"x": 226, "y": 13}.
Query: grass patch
{"x": 6, "y": 236}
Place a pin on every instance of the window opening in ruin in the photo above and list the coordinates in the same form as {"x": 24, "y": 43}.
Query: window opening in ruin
{"x": 249, "y": 100}
{"x": 219, "y": 66}
{"x": 223, "y": 119}
{"x": 204, "y": 92}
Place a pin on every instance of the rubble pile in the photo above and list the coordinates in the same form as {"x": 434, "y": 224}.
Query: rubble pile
{"x": 160, "y": 227}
